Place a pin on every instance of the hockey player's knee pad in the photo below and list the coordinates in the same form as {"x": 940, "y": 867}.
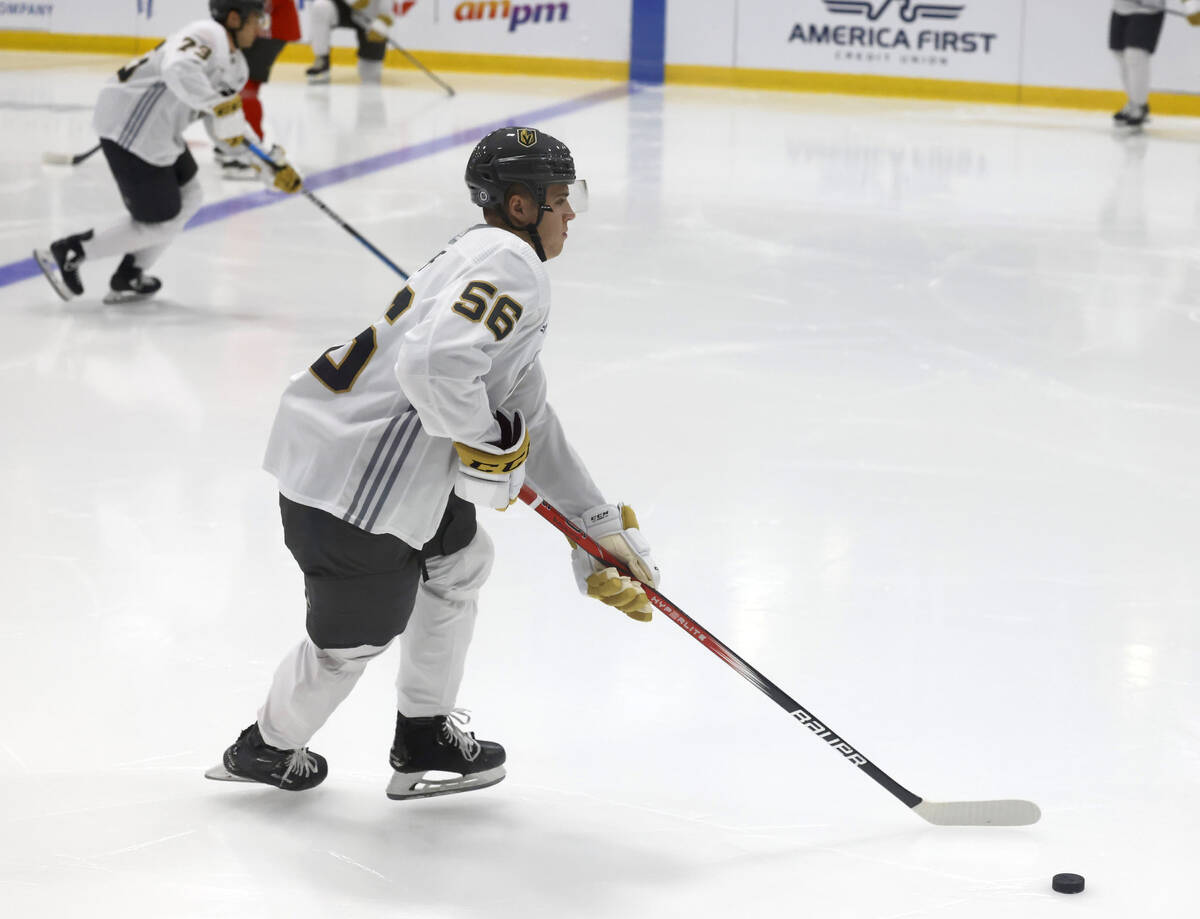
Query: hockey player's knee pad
{"x": 322, "y": 14}
{"x": 459, "y": 576}
{"x": 348, "y": 660}
{"x": 191, "y": 196}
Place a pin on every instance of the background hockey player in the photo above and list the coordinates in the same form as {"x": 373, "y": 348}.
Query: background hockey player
{"x": 1133, "y": 31}
{"x": 140, "y": 116}
{"x": 370, "y": 21}
{"x": 284, "y": 27}
{"x": 383, "y": 448}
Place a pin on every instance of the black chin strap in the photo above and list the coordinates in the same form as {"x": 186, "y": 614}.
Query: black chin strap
{"x": 531, "y": 229}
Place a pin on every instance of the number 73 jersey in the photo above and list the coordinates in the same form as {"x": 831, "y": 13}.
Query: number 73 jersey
{"x": 366, "y": 432}
{"x": 152, "y": 99}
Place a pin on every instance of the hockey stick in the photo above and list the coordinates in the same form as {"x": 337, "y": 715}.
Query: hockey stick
{"x": 942, "y": 813}
{"x": 275, "y": 167}
{"x": 66, "y": 159}
{"x": 365, "y": 24}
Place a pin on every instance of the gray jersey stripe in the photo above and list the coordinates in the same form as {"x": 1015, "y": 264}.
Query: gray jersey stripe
{"x": 383, "y": 468}
{"x": 366, "y": 476}
{"x": 141, "y": 112}
{"x": 387, "y": 490}
{"x": 142, "y": 103}
{"x": 133, "y": 115}
{"x": 162, "y": 90}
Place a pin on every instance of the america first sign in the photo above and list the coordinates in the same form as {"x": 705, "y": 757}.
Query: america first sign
{"x": 977, "y": 40}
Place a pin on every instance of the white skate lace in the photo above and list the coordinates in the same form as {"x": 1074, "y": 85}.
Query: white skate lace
{"x": 300, "y": 762}
{"x": 452, "y": 729}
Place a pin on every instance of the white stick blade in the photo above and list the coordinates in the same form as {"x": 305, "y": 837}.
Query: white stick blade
{"x": 979, "y": 813}
{"x": 57, "y": 159}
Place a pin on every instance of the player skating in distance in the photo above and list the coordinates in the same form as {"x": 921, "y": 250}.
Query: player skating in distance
{"x": 370, "y": 21}
{"x": 140, "y": 116}
{"x": 284, "y": 27}
{"x": 1133, "y": 31}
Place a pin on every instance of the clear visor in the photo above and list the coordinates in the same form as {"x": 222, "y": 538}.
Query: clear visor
{"x": 577, "y": 195}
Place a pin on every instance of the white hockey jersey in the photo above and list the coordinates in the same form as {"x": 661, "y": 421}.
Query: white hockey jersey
{"x": 366, "y": 433}
{"x": 151, "y": 100}
{"x": 1138, "y": 7}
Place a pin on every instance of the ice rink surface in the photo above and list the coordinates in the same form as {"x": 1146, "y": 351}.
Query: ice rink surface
{"x": 906, "y": 395}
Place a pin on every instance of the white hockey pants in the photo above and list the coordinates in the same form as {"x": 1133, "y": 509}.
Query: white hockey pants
{"x": 311, "y": 682}
{"x": 145, "y": 241}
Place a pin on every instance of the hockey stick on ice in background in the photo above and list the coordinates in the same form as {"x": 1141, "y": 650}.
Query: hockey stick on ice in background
{"x": 66, "y": 159}
{"x": 942, "y": 813}
{"x": 365, "y": 24}
{"x": 275, "y": 167}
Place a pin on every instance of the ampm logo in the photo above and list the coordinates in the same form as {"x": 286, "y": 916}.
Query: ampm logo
{"x": 517, "y": 14}
{"x": 910, "y": 11}
{"x": 887, "y": 37}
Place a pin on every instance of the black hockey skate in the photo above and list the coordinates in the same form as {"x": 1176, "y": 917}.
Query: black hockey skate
{"x": 251, "y": 759}
{"x": 1132, "y": 117}
{"x": 1137, "y": 117}
{"x": 439, "y": 744}
{"x": 128, "y": 284}
{"x": 320, "y": 71}
{"x": 60, "y": 264}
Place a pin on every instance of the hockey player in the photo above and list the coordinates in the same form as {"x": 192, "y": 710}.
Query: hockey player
{"x": 368, "y": 19}
{"x": 1133, "y": 31}
{"x": 260, "y": 58}
{"x": 140, "y": 116}
{"x": 383, "y": 448}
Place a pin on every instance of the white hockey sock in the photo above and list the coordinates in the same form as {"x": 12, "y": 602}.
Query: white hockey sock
{"x": 370, "y": 71}
{"x": 145, "y": 240}
{"x": 321, "y": 18}
{"x": 434, "y": 645}
{"x": 309, "y": 684}
{"x": 1120, "y": 56}
{"x": 144, "y": 258}
{"x": 1137, "y": 67}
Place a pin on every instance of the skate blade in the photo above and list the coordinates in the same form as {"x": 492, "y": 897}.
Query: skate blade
{"x": 321, "y": 80}
{"x": 49, "y": 267}
{"x": 117, "y": 297}
{"x": 219, "y": 773}
{"x": 405, "y": 785}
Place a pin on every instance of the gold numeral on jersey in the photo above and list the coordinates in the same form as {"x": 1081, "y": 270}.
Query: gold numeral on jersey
{"x": 503, "y": 316}
{"x": 399, "y": 305}
{"x": 340, "y": 375}
{"x": 479, "y": 304}
{"x": 126, "y": 72}
{"x": 202, "y": 50}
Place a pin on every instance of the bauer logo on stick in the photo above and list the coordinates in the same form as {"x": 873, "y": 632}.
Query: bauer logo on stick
{"x": 527, "y": 137}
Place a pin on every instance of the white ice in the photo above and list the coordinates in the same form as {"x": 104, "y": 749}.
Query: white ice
{"x": 906, "y": 395}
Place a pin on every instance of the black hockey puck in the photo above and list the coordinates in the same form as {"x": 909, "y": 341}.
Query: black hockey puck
{"x": 1067, "y": 883}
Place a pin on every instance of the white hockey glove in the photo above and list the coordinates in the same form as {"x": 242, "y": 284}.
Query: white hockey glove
{"x": 379, "y": 28}
{"x": 228, "y": 123}
{"x": 491, "y": 475}
{"x": 1191, "y": 9}
{"x": 615, "y": 527}
{"x": 282, "y": 175}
